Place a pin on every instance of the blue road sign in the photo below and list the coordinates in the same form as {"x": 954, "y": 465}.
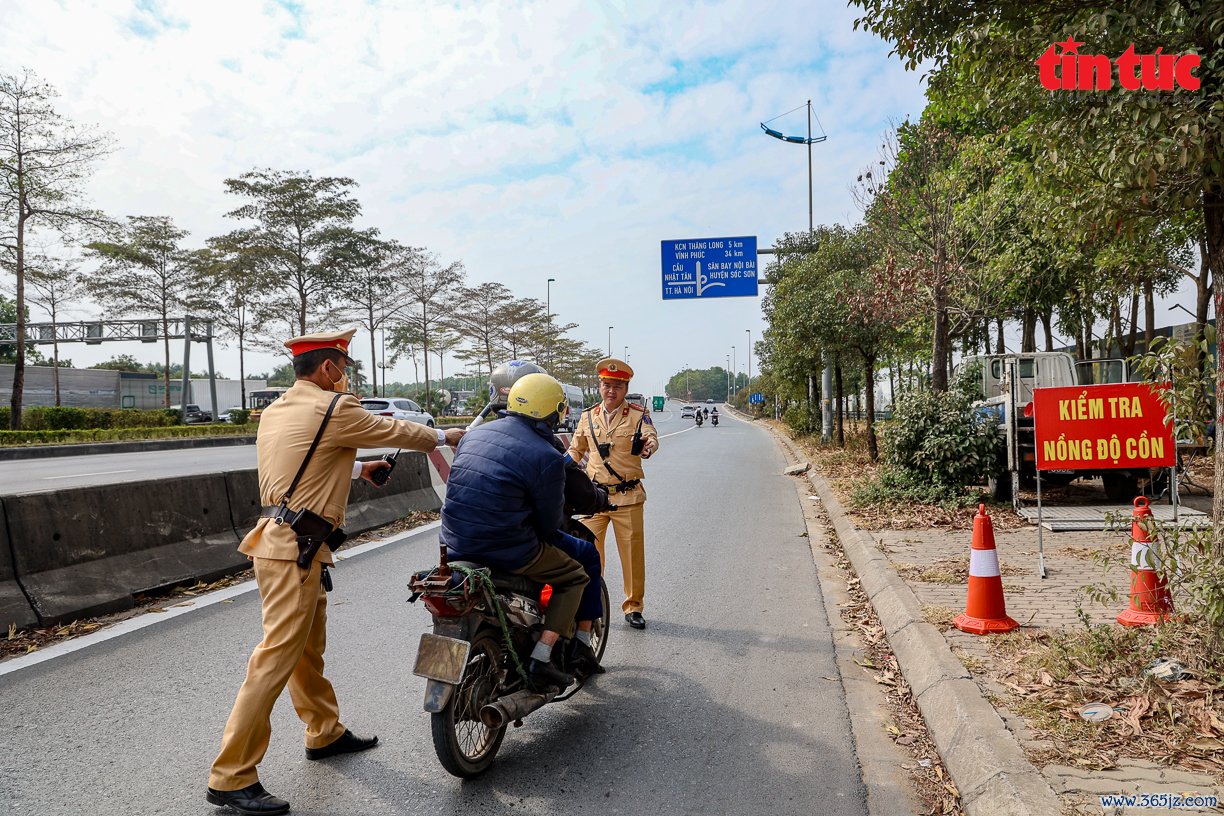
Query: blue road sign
{"x": 710, "y": 267}
{"x": 756, "y": 398}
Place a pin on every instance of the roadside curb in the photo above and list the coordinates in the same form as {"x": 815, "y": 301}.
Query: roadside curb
{"x": 983, "y": 757}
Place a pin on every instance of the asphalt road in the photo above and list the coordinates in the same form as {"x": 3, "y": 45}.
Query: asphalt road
{"x": 728, "y": 703}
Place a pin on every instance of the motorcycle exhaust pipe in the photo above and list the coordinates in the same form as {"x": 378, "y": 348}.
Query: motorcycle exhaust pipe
{"x": 513, "y": 707}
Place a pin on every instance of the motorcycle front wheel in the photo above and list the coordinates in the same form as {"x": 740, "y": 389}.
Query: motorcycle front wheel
{"x": 599, "y": 627}
{"x": 465, "y": 746}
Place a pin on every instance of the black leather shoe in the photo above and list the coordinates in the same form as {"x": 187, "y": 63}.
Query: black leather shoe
{"x": 635, "y": 620}
{"x": 542, "y": 674}
{"x": 348, "y": 743}
{"x": 252, "y": 800}
{"x": 583, "y": 661}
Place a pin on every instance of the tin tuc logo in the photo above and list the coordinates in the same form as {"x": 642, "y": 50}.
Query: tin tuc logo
{"x": 1069, "y": 70}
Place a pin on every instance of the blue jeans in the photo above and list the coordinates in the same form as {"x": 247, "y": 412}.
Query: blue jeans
{"x": 584, "y": 552}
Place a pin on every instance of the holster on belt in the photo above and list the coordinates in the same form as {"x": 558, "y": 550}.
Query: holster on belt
{"x": 625, "y": 486}
{"x": 313, "y": 531}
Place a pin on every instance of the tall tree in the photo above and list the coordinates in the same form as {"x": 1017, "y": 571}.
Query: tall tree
{"x": 146, "y": 272}
{"x": 236, "y": 281}
{"x": 44, "y": 162}
{"x": 55, "y": 284}
{"x": 431, "y": 287}
{"x": 376, "y": 294}
{"x": 1147, "y": 148}
{"x": 477, "y": 318}
{"x": 301, "y": 226}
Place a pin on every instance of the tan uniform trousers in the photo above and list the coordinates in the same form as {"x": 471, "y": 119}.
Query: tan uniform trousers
{"x": 291, "y": 652}
{"x": 630, "y": 543}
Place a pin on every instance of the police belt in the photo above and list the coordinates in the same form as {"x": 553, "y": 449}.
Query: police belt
{"x": 312, "y": 530}
{"x": 623, "y": 487}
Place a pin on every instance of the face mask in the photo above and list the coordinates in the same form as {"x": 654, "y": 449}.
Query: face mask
{"x": 341, "y": 385}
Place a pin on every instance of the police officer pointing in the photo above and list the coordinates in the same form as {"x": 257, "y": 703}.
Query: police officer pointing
{"x": 616, "y": 436}
{"x": 303, "y": 510}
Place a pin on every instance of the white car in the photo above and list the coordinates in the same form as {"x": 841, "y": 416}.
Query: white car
{"x": 687, "y": 412}
{"x": 397, "y": 408}
{"x": 225, "y": 415}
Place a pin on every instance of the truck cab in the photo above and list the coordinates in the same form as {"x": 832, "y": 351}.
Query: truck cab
{"x": 1003, "y": 403}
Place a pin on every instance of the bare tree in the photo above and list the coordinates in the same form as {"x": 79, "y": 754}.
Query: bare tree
{"x": 55, "y": 284}
{"x": 44, "y": 161}
{"x": 146, "y": 272}
{"x": 431, "y": 288}
{"x": 377, "y": 294}
{"x": 477, "y": 318}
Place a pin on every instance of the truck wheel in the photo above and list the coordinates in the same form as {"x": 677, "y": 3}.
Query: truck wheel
{"x": 1120, "y": 486}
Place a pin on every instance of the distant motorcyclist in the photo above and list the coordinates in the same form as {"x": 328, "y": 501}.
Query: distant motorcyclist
{"x": 698, "y": 417}
{"x": 706, "y": 411}
{"x": 504, "y": 508}
{"x": 714, "y": 417}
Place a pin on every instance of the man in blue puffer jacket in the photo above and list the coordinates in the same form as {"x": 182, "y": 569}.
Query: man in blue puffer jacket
{"x": 503, "y": 508}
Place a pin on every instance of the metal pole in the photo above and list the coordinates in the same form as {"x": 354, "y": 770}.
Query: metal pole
{"x": 749, "y": 331}
{"x": 826, "y": 404}
{"x": 610, "y": 340}
{"x": 548, "y": 313}
{"x": 1041, "y": 567}
{"x": 1173, "y": 468}
{"x": 734, "y": 379}
{"x": 809, "y": 147}
{"x": 186, "y": 367}
{"x": 212, "y": 375}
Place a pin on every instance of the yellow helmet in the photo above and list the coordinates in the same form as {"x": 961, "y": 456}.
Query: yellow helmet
{"x": 537, "y": 396}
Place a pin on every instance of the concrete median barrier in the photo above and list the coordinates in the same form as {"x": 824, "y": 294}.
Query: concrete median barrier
{"x": 410, "y": 488}
{"x": 88, "y": 551}
{"x": 15, "y": 609}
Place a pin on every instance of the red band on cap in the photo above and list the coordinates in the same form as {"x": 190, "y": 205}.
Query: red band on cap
{"x": 605, "y": 374}
{"x": 314, "y": 345}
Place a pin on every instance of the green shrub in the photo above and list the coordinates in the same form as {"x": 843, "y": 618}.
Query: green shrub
{"x": 892, "y": 486}
{"x": 938, "y": 438}
{"x": 239, "y": 416}
{"x": 46, "y": 437}
{"x": 801, "y": 419}
{"x": 65, "y": 418}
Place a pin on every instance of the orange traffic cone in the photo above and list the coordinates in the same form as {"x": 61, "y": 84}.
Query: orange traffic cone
{"x": 1150, "y": 601}
{"x": 985, "y": 612}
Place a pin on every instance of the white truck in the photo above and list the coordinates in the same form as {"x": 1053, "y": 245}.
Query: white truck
{"x": 1006, "y": 390}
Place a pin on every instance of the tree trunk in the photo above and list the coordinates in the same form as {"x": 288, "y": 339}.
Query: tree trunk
{"x": 1001, "y": 345}
{"x": 1028, "y": 332}
{"x": 166, "y": 349}
{"x": 841, "y": 406}
{"x": 873, "y": 448}
{"x": 941, "y": 340}
{"x": 1213, "y": 217}
{"x": 1128, "y": 348}
{"x": 374, "y": 359}
{"x": 1047, "y": 318}
{"x": 1149, "y": 314}
{"x": 425, "y": 345}
{"x": 241, "y": 362}
{"x": 19, "y": 351}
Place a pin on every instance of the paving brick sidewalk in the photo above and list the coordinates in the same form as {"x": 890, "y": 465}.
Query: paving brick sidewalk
{"x": 933, "y": 555}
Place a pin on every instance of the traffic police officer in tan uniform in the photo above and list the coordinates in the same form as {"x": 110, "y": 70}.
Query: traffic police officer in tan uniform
{"x": 616, "y": 436}
{"x": 293, "y": 598}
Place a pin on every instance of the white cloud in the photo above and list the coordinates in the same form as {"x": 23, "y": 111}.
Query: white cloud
{"x": 530, "y": 140}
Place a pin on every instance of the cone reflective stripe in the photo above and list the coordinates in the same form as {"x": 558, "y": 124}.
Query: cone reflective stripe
{"x": 1150, "y": 601}
{"x": 985, "y": 611}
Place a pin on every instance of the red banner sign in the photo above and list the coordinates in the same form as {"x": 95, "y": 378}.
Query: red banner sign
{"x": 1095, "y": 427}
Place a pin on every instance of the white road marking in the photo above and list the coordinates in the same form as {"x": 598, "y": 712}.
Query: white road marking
{"x": 182, "y": 608}
{"x": 84, "y": 475}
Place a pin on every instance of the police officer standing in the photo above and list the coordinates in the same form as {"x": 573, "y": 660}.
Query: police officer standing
{"x": 293, "y": 597}
{"x": 616, "y": 436}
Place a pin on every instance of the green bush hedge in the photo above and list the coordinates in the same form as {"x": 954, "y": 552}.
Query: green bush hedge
{"x": 52, "y": 437}
{"x": 42, "y": 418}
{"x": 239, "y": 416}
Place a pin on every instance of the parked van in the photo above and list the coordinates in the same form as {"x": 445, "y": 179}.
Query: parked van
{"x": 576, "y": 401}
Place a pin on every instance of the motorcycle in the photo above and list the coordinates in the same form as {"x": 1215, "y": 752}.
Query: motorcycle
{"x": 698, "y": 418}
{"x": 714, "y": 420}
{"x": 474, "y": 660}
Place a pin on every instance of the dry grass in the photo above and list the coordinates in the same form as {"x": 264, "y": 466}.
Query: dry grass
{"x": 1051, "y": 675}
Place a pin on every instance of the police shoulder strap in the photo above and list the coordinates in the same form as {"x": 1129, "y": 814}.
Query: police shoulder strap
{"x": 591, "y": 424}
{"x": 313, "y": 445}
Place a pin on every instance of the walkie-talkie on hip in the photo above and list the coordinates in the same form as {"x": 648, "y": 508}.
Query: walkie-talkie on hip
{"x": 380, "y": 476}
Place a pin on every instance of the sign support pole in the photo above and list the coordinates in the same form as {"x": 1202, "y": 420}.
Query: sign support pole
{"x": 1041, "y": 567}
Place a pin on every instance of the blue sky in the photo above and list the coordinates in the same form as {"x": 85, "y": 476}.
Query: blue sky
{"x": 529, "y": 140}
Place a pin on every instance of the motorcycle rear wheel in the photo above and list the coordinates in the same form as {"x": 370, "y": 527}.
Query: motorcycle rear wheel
{"x": 464, "y": 745}
{"x": 600, "y": 626}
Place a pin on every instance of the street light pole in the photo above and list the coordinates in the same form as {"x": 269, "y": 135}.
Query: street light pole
{"x": 626, "y": 356}
{"x": 728, "y": 378}
{"x": 735, "y": 368}
{"x": 749, "y": 331}
{"x": 548, "y": 315}
{"x": 610, "y": 328}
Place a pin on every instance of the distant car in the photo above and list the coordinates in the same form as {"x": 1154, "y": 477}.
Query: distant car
{"x": 687, "y": 412}
{"x": 225, "y": 415}
{"x": 398, "y": 408}
{"x": 193, "y": 415}
{"x": 709, "y": 402}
